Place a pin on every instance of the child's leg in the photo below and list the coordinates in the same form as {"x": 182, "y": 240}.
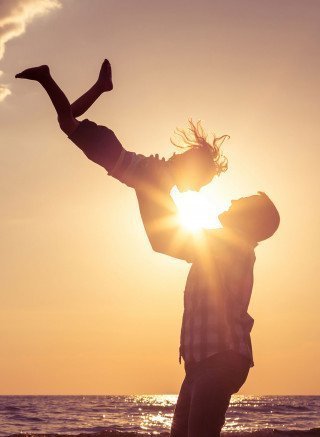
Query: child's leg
{"x": 98, "y": 142}
{"x": 103, "y": 84}
{"x": 67, "y": 113}
{"x": 62, "y": 106}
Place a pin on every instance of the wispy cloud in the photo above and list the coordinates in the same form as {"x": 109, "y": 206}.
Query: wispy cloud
{"x": 15, "y": 15}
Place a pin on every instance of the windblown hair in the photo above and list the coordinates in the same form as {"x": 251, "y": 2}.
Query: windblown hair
{"x": 195, "y": 137}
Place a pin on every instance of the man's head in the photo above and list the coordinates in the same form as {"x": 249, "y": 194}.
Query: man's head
{"x": 255, "y": 216}
{"x": 200, "y": 161}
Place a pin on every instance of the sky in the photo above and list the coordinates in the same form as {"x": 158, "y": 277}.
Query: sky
{"x": 86, "y": 306}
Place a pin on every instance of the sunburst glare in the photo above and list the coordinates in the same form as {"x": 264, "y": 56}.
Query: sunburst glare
{"x": 196, "y": 211}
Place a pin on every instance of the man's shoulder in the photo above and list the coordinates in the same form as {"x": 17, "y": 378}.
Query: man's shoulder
{"x": 217, "y": 236}
{"x": 222, "y": 240}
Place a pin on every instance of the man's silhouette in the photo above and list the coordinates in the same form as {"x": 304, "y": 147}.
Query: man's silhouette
{"x": 215, "y": 335}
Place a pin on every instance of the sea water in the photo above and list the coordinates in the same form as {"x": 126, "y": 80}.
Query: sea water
{"x": 152, "y": 414}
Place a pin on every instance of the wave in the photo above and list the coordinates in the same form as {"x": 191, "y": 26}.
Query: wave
{"x": 22, "y": 418}
{"x": 11, "y": 408}
{"x": 314, "y": 432}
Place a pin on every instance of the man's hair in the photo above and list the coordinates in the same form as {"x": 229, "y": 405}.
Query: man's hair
{"x": 267, "y": 218}
{"x": 195, "y": 137}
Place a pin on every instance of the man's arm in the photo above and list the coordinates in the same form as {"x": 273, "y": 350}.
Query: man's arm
{"x": 161, "y": 221}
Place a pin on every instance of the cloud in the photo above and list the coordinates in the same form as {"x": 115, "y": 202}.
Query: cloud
{"x": 15, "y": 15}
{"x": 4, "y": 92}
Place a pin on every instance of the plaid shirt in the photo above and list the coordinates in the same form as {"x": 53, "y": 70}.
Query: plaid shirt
{"x": 216, "y": 300}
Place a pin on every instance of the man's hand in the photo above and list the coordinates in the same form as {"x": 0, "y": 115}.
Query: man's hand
{"x": 160, "y": 174}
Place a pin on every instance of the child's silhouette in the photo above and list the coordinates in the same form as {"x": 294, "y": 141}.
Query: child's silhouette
{"x": 195, "y": 167}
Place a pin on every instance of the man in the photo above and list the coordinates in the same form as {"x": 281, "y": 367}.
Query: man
{"x": 215, "y": 335}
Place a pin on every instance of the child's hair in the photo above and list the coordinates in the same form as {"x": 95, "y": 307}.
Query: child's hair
{"x": 195, "y": 137}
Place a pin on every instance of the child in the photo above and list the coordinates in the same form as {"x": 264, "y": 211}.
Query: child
{"x": 192, "y": 169}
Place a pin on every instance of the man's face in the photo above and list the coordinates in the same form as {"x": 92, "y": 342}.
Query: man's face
{"x": 239, "y": 212}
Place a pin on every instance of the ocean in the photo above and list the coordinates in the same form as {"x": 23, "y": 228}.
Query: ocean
{"x": 152, "y": 414}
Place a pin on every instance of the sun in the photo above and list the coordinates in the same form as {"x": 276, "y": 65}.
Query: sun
{"x": 196, "y": 211}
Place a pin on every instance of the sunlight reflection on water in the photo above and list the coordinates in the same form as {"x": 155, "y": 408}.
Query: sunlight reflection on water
{"x": 148, "y": 414}
{"x": 159, "y": 418}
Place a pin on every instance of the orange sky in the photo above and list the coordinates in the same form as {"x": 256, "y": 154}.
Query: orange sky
{"x": 86, "y": 306}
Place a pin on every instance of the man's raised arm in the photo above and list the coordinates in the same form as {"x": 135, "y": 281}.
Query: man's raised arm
{"x": 161, "y": 221}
